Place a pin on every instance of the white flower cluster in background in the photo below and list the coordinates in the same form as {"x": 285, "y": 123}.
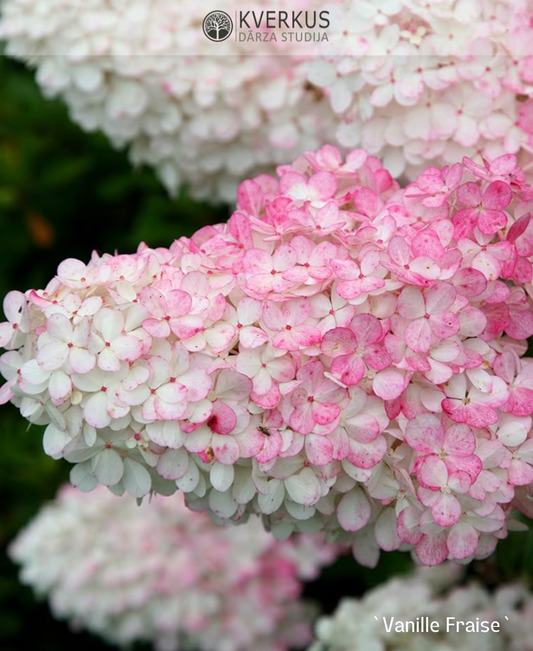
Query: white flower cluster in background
{"x": 419, "y": 601}
{"x": 159, "y": 573}
{"x": 418, "y": 82}
{"x": 207, "y": 121}
{"x": 413, "y": 82}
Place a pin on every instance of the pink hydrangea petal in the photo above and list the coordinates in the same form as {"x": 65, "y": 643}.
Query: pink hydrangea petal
{"x": 324, "y": 183}
{"x": 225, "y": 449}
{"x": 432, "y": 472}
{"x": 367, "y": 328}
{"x": 178, "y": 303}
{"x": 257, "y": 261}
{"x": 349, "y": 289}
{"x": 252, "y": 337}
{"x": 363, "y": 428}
{"x": 427, "y": 243}
{"x": 418, "y": 335}
{"x": 266, "y": 283}
{"x": 273, "y": 316}
{"x": 446, "y": 510}
{"x": 353, "y": 511}
{"x": 220, "y": 336}
{"x": 440, "y": 297}
{"x": 498, "y": 195}
{"x": 425, "y": 268}
{"x": 471, "y": 465}
{"x": 469, "y": 194}
{"x": 462, "y": 540}
{"x": 477, "y": 416}
{"x": 367, "y": 455}
{"x": 172, "y": 392}
{"x": 158, "y": 329}
{"x": 71, "y": 270}
{"x": 296, "y": 311}
{"x": 411, "y": 304}
{"x": 285, "y": 341}
{"x": 444, "y": 324}
{"x": 389, "y": 384}
{"x": 432, "y": 549}
{"x": 469, "y": 282}
{"x": 167, "y": 434}
{"x": 464, "y": 222}
{"x": 522, "y": 402}
{"x": 472, "y": 322}
{"x": 348, "y": 369}
{"x": 306, "y": 335}
{"x": 95, "y": 411}
{"x": 284, "y": 258}
{"x": 301, "y": 419}
{"x": 324, "y": 412}
{"x": 409, "y": 525}
{"x": 223, "y": 419}
{"x": 153, "y": 300}
{"x": 319, "y": 449}
{"x": 459, "y": 440}
{"x": 271, "y": 448}
{"x": 338, "y": 341}
{"x": 491, "y": 221}
{"x": 520, "y": 473}
{"x": 425, "y": 433}
{"x": 233, "y": 386}
{"x": 198, "y": 440}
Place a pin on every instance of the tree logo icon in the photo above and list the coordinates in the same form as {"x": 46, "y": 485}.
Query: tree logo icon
{"x": 217, "y": 26}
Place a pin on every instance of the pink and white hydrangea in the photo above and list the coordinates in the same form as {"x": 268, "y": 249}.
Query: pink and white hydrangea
{"x": 334, "y": 358}
{"x": 163, "y": 575}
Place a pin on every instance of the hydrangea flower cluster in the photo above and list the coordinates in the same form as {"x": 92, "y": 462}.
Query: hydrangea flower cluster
{"x": 208, "y": 118}
{"x": 412, "y": 81}
{"x": 342, "y": 355}
{"x": 358, "y": 624}
{"x": 418, "y": 82}
{"x": 161, "y": 574}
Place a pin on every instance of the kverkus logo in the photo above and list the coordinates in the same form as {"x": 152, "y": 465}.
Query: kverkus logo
{"x": 217, "y": 26}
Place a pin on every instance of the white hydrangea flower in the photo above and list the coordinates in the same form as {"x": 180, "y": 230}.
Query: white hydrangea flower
{"x": 420, "y": 83}
{"x": 159, "y": 573}
{"x": 367, "y": 624}
{"x": 415, "y": 83}
{"x": 206, "y": 121}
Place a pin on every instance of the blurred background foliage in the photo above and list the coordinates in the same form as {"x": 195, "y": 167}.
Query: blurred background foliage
{"x": 65, "y": 193}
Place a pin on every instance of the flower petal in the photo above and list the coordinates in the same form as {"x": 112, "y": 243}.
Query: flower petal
{"x": 354, "y": 510}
